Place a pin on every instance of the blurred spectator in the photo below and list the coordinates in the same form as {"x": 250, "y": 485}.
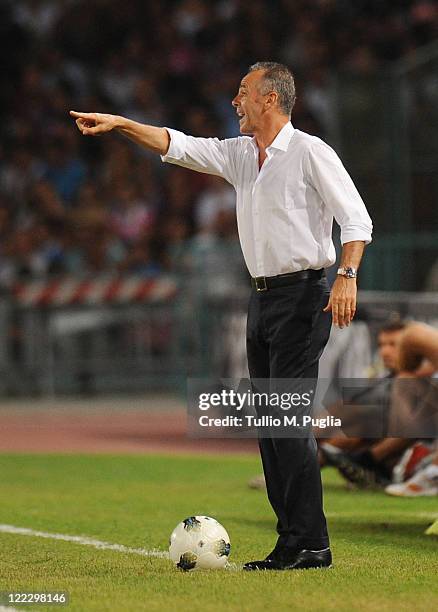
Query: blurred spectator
{"x": 37, "y": 16}
{"x": 130, "y": 214}
{"x": 65, "y": 173}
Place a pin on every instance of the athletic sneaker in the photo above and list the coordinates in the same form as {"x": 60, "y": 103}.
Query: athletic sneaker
{"x": 358, "y": 468}
{"x": 423, "y": 483}
{"x": 412, "y": 460}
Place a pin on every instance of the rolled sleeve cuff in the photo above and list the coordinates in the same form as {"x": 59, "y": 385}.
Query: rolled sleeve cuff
{"x": 177, "y": 146}
{"x": 349, "y": 234}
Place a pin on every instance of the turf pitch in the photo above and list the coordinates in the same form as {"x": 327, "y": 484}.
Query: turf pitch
{"x": 383, "y": 560}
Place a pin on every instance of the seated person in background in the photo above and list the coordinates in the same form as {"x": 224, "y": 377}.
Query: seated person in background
{"x": 419, "y": 343}
{"x": 365, "y": 461}
{"x": 413, "y": 415}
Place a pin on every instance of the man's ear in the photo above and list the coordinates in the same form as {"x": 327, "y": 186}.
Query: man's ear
{"x": 272, "y": 99}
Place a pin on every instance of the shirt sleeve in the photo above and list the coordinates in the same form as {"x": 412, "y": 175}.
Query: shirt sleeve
{"x": 338, "y": 192}
{"x": 208, "y": 155}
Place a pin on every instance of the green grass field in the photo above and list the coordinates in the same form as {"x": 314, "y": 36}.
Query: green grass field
{"x": 382, "y": 559}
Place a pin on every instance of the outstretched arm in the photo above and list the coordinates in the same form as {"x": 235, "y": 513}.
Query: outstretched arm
{"x": 209, "y": 155}
{"x": 94, "y": 124}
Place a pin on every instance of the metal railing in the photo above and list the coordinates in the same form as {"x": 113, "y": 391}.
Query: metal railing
{"x": 132, "y": 347}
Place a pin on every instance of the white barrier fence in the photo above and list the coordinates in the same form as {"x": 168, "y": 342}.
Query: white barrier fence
{"x": 131, "y": 335}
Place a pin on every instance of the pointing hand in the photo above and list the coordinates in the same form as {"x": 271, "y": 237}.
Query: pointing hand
{"x": 94, "y": 124}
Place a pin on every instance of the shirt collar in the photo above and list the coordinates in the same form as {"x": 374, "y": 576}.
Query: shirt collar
{"x": 281, "y": 141}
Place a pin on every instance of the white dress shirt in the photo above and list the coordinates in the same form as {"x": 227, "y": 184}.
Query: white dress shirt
{"x": 285, "y": 210}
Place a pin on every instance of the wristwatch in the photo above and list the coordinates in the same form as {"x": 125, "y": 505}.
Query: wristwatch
{"x": 347, "y": 272}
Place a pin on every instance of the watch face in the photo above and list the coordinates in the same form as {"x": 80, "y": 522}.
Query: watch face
{"x": 348, "y": 272}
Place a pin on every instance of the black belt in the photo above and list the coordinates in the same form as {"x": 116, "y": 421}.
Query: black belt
{"x": 263, "y": 283}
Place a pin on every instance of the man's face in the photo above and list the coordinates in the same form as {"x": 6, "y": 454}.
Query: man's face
{"x": 388, "y": 348}
{"x": 249, "y": 102}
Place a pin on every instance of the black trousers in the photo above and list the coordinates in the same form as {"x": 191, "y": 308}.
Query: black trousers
{"x": 286, "y": 335}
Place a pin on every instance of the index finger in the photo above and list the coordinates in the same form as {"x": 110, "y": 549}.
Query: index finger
{"x": 81, "y": 115}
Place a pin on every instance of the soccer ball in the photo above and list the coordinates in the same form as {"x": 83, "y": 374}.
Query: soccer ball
{"x": 199, "y": 542}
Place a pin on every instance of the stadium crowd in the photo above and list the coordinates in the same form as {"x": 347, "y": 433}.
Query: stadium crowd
{"x": 70, "y": 205}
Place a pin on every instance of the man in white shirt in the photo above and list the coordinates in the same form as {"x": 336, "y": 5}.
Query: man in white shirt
{"x": 289, "y": 186}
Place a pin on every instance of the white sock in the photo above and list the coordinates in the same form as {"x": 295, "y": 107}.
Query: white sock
{"x": 331, "y": 448}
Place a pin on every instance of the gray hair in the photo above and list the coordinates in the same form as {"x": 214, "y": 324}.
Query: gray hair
{"x": 277, "y": 77}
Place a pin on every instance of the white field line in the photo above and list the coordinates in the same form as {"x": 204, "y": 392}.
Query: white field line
{"x": 85, "y": 541}
{"x": 8, "y": 609}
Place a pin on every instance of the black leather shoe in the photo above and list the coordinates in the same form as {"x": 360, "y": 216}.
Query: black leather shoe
{"x": 288, "y": 560}
{"x": 275, "y": 558}
{"x": 308, "y": 559}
